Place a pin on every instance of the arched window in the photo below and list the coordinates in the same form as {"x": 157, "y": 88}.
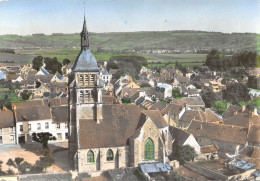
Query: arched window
{"x": 91, "y": 156}
{"x": 110, "y": 155}
{"x": 149, "y": 150}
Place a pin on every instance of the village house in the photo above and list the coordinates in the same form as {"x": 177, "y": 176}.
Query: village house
{"x": 192, "y": 103}
{"x": 225, "y": 137}
{"x": 172, "y": 113}
{"x": 7, "y": 127}
{"x": 163, "y": 91}
{"x": 181, "y": 138}
{"x": 188, "y": 116}
{"x": 38, "y": 116}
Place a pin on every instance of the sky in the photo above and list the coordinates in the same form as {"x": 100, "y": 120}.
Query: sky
{"x": 26, "y": 17}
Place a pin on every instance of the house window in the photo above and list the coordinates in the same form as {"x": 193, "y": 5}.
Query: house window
{"x": 59, "y": 135}
{"x": 90, "y": 156}
{"x": 29, "y": 127}
{"x": 21, "y": 127}
{"x": 46, "y": 125}
{"x": 0, "y": 130}
{"x": 58, "y": 125}
{"x": 110, "y": 155}
{"x": 11, "y": 129}
{"x": 38, "y": 126}
{"x": 149, "y": 150}
{"x": 12, "y": 138}
{"x": 66, "y": 136}
{"x": 66, "y": 125}
{"x": 1, "y": 139}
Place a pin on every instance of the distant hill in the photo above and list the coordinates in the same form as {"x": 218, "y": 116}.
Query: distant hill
{"x": 138, "y": 41}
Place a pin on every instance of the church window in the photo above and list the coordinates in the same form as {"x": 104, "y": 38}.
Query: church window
{"x": 90, "y": 156}
{"x": 149, "y": 150}
{"x": 110, "y": 155}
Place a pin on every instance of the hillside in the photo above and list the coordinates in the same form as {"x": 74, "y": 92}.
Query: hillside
{"x": 141, "y": 41}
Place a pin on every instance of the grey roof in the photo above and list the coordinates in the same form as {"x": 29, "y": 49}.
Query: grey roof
{"x": 85, "y": 62}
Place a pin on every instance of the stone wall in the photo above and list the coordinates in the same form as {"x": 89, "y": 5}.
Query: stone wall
{"x": 120, "y": 160}
{"x": 218, "y": 176}
{"x": 149, "y": 130}
{"x": 206, "y": 172}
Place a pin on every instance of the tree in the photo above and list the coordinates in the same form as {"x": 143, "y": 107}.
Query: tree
{"x": 66, "y": 62}
{"x": 19, "y": 163}
{"x": 209, "y": 98}
{"x": 52, "y": 65}
{"x": 126, "y": 100}
{"x": 184, "y": 153}
{"x": 25, "y": 95}
{"x": 43, "y": 138}
{"x": 43, "y": 163}
{"x": 37, "y": 63}
{"x": 236, "y": 93}
{"x": 1, "y": 172}
{"x": 176, "y": 93}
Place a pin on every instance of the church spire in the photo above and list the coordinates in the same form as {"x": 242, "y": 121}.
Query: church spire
{"x": 84, "y": 35}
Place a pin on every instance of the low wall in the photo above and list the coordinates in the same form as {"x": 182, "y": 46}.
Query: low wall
{"x": 216, "y": 175}
{"x": 206, "y": 172}
{"x": 45, "y": 177}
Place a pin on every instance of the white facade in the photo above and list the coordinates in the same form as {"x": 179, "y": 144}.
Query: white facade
{"x": 25, "y": 129}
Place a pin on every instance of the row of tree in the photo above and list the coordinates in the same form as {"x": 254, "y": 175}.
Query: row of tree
{"x": 52, "y": 65}
{"x": 217, "y": 61}
{"x": 127, "y": 65}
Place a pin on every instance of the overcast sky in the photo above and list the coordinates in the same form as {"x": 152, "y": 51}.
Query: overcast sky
{"x": 25, "y": 17}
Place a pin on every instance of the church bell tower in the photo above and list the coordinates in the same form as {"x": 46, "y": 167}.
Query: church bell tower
{"x": 85, "y": 95}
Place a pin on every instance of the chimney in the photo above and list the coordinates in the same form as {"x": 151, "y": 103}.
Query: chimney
{"x": 251, "y": 113}
{"x": 235, "y": 113}
{"x": 201, "y": 127}
{"x": 243, "y": 108}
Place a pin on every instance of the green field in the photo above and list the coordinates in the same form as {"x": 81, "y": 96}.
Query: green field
{"x": 164, "y": 40}
{"x": 184, "y": 59}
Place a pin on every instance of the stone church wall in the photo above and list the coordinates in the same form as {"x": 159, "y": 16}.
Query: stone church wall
{"x": 100, "y": 156}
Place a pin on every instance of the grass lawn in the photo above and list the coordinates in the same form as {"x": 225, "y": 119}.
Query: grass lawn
{"x": 220, "y": 106}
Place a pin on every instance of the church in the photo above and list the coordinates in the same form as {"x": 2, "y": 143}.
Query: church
{"x": 108, "y": 136}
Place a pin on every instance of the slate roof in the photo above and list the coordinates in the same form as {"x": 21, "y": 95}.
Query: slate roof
{"x": 107, "y": 99}
{"x": 32, "y": 113}
{"x": 196, "y": 101}
{"x": 119, "y": 123}
{"x": 243, "y": 119}
{"x": 220, "y": 132}
{"x": 158, "y": 105}
{"x": 209, "y": 149}
{"x": 172, "y": 109}
{"x": 60, "y": 114}
{"x": 6, "y": 119}
{"x": 179, "y": 136}
{"x": 204, "y": 116}
{"x": 85, "y": 62}
{"x": 230, "y": 111}
{"x": 192, "y": 91}
{"x": 30, "y": 103}
{"x": 156, "y": 117}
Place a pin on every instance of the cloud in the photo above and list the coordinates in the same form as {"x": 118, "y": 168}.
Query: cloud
{"x": 3, "y": 0}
